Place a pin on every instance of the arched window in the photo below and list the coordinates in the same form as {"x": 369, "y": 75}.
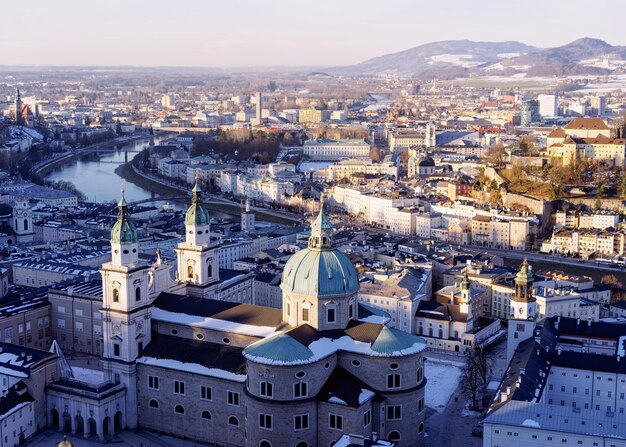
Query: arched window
{"x": 179, "y": 409}
{"x": 138, "y": 294}
{"x": 210, "y": 270}
{"x": 421, "y": 428}
{"x": 393, "y": 436}
{"x": 116, "y": 296}
{"x": 206, "y": 415}
{"x": 153, "y": 403}
{"x": 302, "y": 444}
{"x": 190, "y": 272}
{"x": 233, "y": 421}
{"x": 25, "y": 224}
{"x": 265, "y": 443}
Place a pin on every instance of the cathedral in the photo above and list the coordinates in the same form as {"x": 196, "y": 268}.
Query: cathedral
{"x": 187, "y": 359}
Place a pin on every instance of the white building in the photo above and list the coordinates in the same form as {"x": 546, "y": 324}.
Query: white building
{"x": 333, "y": 150}
{"x": 548, "y": 105}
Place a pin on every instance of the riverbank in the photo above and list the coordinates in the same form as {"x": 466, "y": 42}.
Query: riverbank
{"x": 130, "y": 174}
{"x": 44, "y": 168}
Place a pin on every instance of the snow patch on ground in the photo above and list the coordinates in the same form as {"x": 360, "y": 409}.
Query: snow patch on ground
{"x": 443, "y": 378}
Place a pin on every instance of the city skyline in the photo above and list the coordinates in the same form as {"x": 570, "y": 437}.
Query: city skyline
{"x": 275, "y": 33}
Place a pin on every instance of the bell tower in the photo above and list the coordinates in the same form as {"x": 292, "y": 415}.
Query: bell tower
{"x": 23, "y": 220}
{"x": 19, "y": 106}
{"x": 126, "y": 310}
{"x": 247, "y": 219}
{"x": 522, "y": 321}
{"x": 198, "y": 260}
{"x": 465, "y": 303}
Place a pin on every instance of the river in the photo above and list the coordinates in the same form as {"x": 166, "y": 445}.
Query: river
{"x": 94, "y": 175}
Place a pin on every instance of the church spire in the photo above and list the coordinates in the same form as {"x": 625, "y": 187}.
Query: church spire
{"x": 123, "y": 232}
{"x": 321, "y": 231}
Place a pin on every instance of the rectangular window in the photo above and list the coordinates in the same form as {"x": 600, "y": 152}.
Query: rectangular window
{"x": 20, "y": 328}
{"x": 300, "y": 389}
{"x": 233, "y": 398}
{"x": 367, "y": 418}
{"x": 267, "y": 389}
{"x": 393, "y": 381}
{"x": 301, "y": 422}
{"x": 305, "y": 314}
{"x": 394, "y": 412}
{"x": 79, "y": 326}
{"x": 205, "y": 392}
{"x": 179, "y": 387}
{"x": 97, "y": 329}
{"x": 78, "y": 312}
{"x": 153, "y": 382}
{"x": 330, "y": 315}
{"x": 61, "y": 309}
{"x": 116, "y": 349}
{"x": 28, "y": 325}
{"x": 420, "y": 405}
{"x": 265, "y": 421}
{"x": 335, "y": 421}
{"x": 61, "y": 323}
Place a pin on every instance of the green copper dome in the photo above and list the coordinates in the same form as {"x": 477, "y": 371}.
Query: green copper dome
{"x": 197, "y": 215}
{"x": 320, "y": 273}
{"x": 320, "y": 269}
{"x": 525, "y": 274}
{"x": 123, "y": 232}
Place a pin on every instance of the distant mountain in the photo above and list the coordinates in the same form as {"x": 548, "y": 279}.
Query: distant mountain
{"x": 450, "y": 58}
{"x": 584, "y": 56}
{"x": 460, "y": 58}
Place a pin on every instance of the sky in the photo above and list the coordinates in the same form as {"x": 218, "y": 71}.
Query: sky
{"x": 238, "y": 33}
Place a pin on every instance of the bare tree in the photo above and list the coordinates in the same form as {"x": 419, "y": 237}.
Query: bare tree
{"x": 475, "y": 373}
{"x": 471, "y": 381}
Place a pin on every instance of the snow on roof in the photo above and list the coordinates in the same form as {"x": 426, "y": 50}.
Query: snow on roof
{"x": 336, "y": 400}
{"x": 391, "y": 345}
{"x": 193, "y": 368}
{"x": 365, "y": 396}
{"x": 212, "y": 323}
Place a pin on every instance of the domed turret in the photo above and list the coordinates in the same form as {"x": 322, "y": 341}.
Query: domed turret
{"x": 123, "y": 232}
{"x": 319, "y": 283}
{"x": 124, "y": 243}
{"x": 197, "y": 219}
{"x": 197, "y": 214}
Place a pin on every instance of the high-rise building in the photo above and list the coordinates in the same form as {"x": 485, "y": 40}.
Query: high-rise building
{"x": 598, "y": 105}
{"x": 259, "y": 109}
{"x": 530, "y": 112}
{"x": 166, "y": 102}
{"x": 548, "y": 105}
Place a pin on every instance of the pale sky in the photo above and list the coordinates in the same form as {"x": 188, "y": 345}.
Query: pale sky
{"x": 231, "y": 33}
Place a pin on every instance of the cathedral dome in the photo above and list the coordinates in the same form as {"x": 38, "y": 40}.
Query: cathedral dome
{"x": 123, "y": 232}
{"x": 320, "y": 269}
{"x": 197, "y": 215}
{"x": 320, "y": 273}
